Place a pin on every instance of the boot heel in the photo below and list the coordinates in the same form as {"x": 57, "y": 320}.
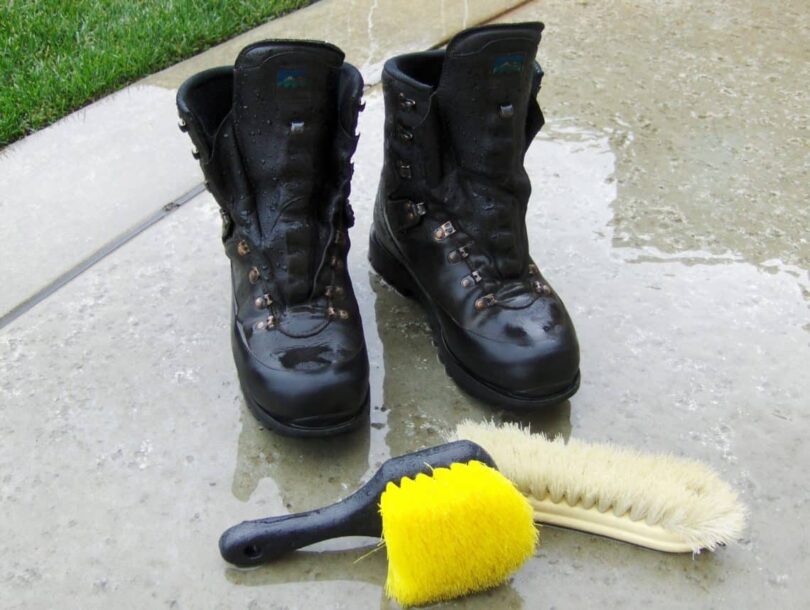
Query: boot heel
{"x": 389, "y": 268}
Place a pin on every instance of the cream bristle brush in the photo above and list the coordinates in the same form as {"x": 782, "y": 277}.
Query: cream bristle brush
{"x": 662, "y": 502}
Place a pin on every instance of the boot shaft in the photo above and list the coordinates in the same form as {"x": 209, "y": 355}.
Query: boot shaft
{"x": 275, "y": 135}
{"x": 458, "y": 123}
{"x": 485, "y": 93}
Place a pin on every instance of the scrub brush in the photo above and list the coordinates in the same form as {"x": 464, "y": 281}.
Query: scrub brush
{"x": 661, "y": 502}
{"x": 450, "y": 522}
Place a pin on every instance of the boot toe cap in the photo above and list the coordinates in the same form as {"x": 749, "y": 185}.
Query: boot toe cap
{"x": 314, "y": 385}
{"x": 518, "y": 356}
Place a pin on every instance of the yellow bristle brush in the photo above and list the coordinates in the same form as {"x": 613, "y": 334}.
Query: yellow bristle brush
{"x": 661, "y": 502}
{"x": 451, "y": 525}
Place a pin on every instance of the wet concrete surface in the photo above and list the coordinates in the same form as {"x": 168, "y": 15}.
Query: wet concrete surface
{"x": 127, "y": 447}
{"x": 707, "y": 107}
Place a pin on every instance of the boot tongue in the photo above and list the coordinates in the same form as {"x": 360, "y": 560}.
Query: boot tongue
{"x": 285, "y": 104}
{"x": 484, "y": 92}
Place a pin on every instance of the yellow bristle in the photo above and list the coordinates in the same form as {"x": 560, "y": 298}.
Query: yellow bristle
{"x": 457, "y": 531}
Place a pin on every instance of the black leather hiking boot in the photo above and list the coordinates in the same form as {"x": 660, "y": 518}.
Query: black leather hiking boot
{"x": 449, "y": 220}
{"x": 275, "y": 137}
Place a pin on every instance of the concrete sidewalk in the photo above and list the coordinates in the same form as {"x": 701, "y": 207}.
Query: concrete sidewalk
{"x": 127, "y": 448}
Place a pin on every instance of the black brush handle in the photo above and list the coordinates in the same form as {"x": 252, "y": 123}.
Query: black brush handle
{"x": 256, "y": 542}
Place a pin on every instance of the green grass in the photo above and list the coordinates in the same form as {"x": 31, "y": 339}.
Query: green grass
{"x": 58, "y": 55}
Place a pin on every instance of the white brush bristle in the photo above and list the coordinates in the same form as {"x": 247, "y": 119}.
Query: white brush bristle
{"x": 685, "y": 497}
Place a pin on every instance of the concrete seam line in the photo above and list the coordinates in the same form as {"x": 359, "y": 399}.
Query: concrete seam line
{"x": 99, "y": 255}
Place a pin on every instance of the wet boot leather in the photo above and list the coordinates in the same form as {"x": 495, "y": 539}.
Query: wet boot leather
{"x": 274, "y": 136}
{"x": 449, "y": 220}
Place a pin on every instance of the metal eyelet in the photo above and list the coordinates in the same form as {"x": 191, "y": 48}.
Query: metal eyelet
{"x": 414, "y": 210}
{"x": 482, "y": 303}
{"x": 339, "y": 238}
{"x": 254, "y": 275}
{"x": 473, "y": 278}
{"x": 406, "y": 103}
{"x": 267, "y": 324}
{"x": 182, "y": 125}
{"x": 459, "y": 254}
{"x": 404, "y": 170}
{"x": 533, "y": 270}
{"x": 263, "y": 302}
{"x": 334, "y": 292}
{"x": 242, "y": 248}
{"x": 404, "y": 134}
{"x": 336, "y": 263}
{"x": 333, "y": 313}
{"x": 444, "y": 231}
{"x": 195, "y": 153}
{"x": 507, "y": 111}
{"x": 541, "y": 288}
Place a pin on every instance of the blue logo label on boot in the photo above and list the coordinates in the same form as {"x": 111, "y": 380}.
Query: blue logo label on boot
{"x": 291, "y": 78}
{"x": 508, "y": 64}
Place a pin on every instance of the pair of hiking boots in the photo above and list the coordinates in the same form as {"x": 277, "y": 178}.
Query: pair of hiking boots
{"x": 275, "y": 135}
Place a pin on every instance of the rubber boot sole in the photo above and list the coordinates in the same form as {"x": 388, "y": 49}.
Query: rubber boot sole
{"x": 298, "y": 431}
{"x": 398, "y": 277}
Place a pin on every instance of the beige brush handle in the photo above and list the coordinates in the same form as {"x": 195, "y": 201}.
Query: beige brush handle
{"x": 607, "y": 524}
